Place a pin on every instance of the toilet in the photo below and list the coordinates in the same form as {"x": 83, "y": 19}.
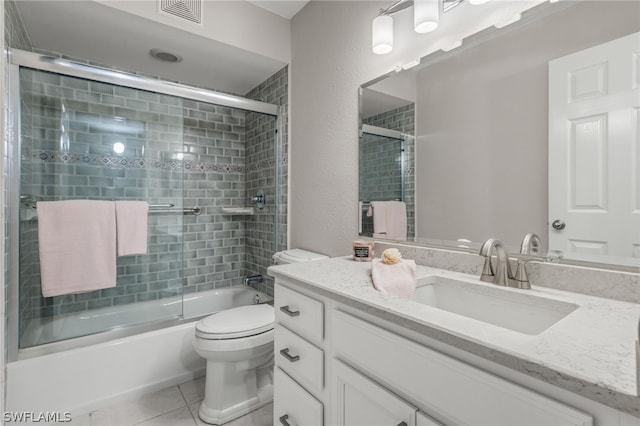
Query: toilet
{"x": 238, "y": 346}
{"x": 296, "y": 256}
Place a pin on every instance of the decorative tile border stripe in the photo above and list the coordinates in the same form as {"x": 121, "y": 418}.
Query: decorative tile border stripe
{"x": 141, "y": 163}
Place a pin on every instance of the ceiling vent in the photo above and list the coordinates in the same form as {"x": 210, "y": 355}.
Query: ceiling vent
{"x": 190, "y": 10}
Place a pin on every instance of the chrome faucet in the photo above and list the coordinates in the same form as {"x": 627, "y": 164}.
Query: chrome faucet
{"x": 531, "y": 244}
{"x": 501, "y": 275}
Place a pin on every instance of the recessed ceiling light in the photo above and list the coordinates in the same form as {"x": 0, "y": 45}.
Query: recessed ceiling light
{"x": 164, "y": 56}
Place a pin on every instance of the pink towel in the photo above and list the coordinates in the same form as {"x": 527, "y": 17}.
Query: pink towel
{"x": 389, "y": 219}
{"x": 398, "y": 279}
{"x": 77, "y": 240}
{"x": 131, "y": 220}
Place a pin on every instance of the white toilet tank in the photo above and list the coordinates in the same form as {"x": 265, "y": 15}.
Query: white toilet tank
{"x": 296, "y": 256}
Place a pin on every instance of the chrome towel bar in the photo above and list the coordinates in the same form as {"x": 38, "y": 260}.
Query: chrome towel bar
{"x": 30, "y": 201}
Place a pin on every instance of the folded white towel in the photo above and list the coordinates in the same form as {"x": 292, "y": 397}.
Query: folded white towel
{"x": 398, "y": 279}
{"x": 131, "y": 225}
{"x": 77, "y": 243}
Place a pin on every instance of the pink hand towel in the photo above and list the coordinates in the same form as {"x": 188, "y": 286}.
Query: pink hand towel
{"x": 131, "y": 225}
{"x": 77, "y": 242}
{"x": 389, "y": 219}
{"x": 398, "y": 279}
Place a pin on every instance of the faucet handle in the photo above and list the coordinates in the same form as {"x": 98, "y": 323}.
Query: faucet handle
{"x": 487, "y": 271}
{"x": 531, "y": 244}
{"x": 520, "y": 278}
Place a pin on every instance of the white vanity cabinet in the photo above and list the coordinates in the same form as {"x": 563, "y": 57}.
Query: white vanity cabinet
{"x": 341, "y": 364}
{"x": 444, "y": 388}
{"x": 299, "y": 359}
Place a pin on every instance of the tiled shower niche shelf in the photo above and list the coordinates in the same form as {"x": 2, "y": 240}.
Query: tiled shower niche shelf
{"x": 238, "y": 211}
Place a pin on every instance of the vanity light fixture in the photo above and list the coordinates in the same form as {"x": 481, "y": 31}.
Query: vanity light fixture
{"x": 382, "y": 34}
{"x": 426, "y": 18}
{"x": 426, "y": 15}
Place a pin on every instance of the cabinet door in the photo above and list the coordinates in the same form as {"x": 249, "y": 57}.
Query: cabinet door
{"x": 358, "y": 401}
{"x": 292, "y": 405}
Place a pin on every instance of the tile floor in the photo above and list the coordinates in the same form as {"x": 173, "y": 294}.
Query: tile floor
{"x": 175, "y": 406}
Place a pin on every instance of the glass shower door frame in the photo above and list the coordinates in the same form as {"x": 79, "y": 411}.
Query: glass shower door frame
{"x": 17, "y": 59}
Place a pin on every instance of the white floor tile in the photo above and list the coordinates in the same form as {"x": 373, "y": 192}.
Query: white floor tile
{"x": 167, "y": 408}
{"x": 194, "y": 410}
{"x": 180, "y": 417}
{"x": 193, "y": 391}
{"x": 138, "y": 410}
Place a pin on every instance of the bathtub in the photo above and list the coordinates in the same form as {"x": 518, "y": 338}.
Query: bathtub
{"x": 83, "y": 379}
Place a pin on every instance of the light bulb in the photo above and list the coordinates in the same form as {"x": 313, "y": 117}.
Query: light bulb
{"x": 426, "y": 15}
{"x": 382, "y": 34}
{"x": 118, "y": 147}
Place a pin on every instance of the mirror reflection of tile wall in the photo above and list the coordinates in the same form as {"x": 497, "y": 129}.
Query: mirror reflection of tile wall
{"x": 380, "y": 168}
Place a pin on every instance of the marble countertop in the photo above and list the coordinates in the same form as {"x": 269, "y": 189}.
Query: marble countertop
{"x": 590, "y": 352}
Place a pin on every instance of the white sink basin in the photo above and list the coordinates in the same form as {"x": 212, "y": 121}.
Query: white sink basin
{"x": 515, "y": 310}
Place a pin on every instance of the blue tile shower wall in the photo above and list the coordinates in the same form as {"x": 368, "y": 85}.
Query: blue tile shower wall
{"x": 379, "y": 170}
{"x": 212, "y": 173}
{"x": 260, "y": 243}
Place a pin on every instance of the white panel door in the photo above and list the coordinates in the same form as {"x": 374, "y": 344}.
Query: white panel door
{"x": 594, "y": 153}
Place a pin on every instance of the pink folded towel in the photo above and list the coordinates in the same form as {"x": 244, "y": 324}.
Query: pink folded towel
{"x": 398, "y": 279}
{"x": 131, "y": 220}
{"x": 77, "y": 242}
{"x": 389, "y": 219}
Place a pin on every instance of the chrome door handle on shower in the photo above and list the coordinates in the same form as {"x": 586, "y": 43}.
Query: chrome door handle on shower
{"x": 288, "y": 311}
{"x": 291, "y": 358}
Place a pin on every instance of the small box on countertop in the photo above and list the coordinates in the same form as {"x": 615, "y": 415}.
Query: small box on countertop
{"x": 363, "y": 251}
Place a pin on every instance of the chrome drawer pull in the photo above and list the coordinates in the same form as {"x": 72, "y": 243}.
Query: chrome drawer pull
{"x": 285, "y": 353}
{"x": 283, "y": 420}
{"x": 288, "y": 311}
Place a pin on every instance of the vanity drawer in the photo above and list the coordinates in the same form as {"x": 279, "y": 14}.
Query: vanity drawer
{"x": 299, "y": 358}
{"x": 292, "y": 405}
{"x": 300, "y": 313}
{"x": 442, "y": 383}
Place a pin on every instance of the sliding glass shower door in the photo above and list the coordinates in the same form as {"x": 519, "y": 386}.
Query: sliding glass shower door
{"x": 82, "y": 139}
{"x": 198, "y": 163}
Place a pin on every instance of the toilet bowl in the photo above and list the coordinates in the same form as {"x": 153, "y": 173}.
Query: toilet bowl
{"x": 238, "y": 346}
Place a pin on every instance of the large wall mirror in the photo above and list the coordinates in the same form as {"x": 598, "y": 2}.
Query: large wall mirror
{"x": 533, "y": 127}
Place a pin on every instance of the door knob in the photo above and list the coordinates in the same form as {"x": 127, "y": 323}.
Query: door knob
{"x": 558, "y": 224}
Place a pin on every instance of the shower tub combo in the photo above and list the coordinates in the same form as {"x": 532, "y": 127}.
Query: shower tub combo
{"x": 82, "y": 132}
{"x": 82, "y": 379}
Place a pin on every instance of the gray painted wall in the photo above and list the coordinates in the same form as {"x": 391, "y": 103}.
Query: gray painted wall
{"x": 331, "y": 57}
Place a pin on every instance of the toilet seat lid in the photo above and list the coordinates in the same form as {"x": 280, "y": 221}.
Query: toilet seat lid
{"x": 237, "y": 322}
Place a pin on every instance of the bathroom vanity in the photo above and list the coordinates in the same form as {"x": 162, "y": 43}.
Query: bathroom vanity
{"x": 460, "y": 352}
